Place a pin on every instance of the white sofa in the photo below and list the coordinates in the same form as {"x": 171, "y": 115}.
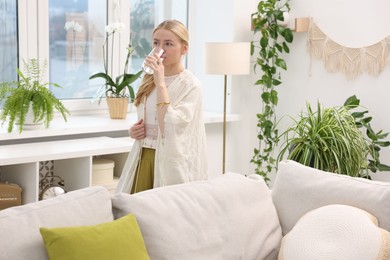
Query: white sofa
{"x": 228, "y": 217}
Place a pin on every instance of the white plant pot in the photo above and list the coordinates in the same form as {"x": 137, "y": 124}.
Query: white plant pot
{"x": 29, "y": 123}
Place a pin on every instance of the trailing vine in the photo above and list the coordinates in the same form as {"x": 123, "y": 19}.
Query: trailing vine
{"x": 273, "y": 42}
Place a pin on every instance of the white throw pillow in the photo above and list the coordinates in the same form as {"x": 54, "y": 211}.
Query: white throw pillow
{"x": 299, "y": 189}
{"x": 19, "y": 226}
{"x": 228, "y": 217}
{"x": 336, "y": 232}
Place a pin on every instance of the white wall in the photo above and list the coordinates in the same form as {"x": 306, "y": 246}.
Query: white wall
{"x": 210, "y": 21}
{"x": 351, "y": 23}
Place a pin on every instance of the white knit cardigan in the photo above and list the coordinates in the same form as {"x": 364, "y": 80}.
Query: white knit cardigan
{"x": 181, "y": 154}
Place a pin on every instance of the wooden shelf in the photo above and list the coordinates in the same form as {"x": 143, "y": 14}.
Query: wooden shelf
{"x": 301, "y": 24}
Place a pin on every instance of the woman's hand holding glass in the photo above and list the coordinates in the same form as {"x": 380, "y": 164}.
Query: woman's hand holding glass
{"x": 153, "y": 64}
{"x": 153, "y": 61}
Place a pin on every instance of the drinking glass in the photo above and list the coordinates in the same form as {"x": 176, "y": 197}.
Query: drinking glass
{"x": 157, "y": 50}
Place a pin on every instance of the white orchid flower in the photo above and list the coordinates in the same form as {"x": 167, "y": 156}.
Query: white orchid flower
{"x": 69, "y": 25}
{"x": 114, "y": 27}
{"x": 75, "y": 26}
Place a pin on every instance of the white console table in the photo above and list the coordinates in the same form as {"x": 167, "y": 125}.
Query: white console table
{"x": 19, "y": 163}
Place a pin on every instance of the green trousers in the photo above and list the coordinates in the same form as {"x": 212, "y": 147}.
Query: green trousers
{"x": 144, "y": 174}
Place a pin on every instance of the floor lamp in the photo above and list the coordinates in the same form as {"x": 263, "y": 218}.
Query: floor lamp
{"x": 223, "y": 58}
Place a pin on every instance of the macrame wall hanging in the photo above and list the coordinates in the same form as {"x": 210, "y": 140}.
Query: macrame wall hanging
{"x": 351, "y": 62}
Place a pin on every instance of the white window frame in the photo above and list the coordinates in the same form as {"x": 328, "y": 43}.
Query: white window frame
{"x": 34, "y": 40}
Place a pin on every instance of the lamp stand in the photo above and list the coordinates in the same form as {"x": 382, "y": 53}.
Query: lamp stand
{"x": 218, "y": 63}
{"x": 224, "y": 124}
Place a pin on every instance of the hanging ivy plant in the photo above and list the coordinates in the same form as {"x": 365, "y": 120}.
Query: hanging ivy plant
{"x": 272, "y": 43}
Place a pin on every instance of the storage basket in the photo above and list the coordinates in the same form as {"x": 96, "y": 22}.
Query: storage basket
{"x": 10, "y": 195}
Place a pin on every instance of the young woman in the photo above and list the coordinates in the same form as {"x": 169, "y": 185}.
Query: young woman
{"x": 170, "y": 139}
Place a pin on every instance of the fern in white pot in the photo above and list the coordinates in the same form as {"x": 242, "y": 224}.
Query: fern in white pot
{"x": 29, "y": 93}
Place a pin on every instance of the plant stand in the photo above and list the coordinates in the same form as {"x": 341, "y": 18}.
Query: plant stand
{"x": 117, "y": 107}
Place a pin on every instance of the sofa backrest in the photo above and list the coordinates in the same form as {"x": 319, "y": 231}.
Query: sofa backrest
{"x": 299, "y": 189}
{"x": 19, "y": 226}
{"x": 228, "y": 217}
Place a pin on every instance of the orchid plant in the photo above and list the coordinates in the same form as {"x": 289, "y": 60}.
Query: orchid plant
{"x": 120, "y": 87}
{"x": 73, "y": 27}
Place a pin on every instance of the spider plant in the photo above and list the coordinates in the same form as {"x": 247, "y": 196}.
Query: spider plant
{"x": 330, "y": 139}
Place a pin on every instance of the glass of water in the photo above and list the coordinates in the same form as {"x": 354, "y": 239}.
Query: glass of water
{"x": 157, "y": 50}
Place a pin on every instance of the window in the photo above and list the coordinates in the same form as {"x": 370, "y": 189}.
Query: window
{"x": 76, "y": 37}
{"x": 70, "y": 36}
{"x": 142, "y": 24}
{"x": 8, "y": 40}
{"x": 144, "y": 16}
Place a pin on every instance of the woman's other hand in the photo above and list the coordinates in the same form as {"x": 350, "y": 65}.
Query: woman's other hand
{"x": 137, "y": 131}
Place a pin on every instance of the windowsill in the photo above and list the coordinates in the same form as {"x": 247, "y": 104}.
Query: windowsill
{"x": 91, "y": 124}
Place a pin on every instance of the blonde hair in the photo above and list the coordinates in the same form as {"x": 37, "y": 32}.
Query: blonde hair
{"x": 147, "y": 84}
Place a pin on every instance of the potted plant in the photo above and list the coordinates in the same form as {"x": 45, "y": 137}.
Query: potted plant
{"x": 118, "y": 92}
{"x": 269, "y": 22}
{"x": 330, "y": 139}
{"x": 29, "y": 95}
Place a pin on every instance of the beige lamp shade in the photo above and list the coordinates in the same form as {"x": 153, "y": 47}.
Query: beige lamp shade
{"x": 227, "y": 58}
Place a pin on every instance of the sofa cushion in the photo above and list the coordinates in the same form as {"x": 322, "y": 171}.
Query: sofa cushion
{"x": 227, "y": 217}
{"x": 120, "y": 239}
{"x": 20, "y": 237}
{"x": 336, "y": 232}
{"x": 299, "y": 189}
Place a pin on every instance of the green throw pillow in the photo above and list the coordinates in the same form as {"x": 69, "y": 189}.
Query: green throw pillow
{"x": 119, "y": 239}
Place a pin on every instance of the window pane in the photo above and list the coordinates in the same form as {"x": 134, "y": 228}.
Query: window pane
{"x": 8, "y": 40}
{"x": 76, "y": 37}
{"x": 76, "y": 40}
{"x": 142, "y": 24}
{"x": 145, "y": 15}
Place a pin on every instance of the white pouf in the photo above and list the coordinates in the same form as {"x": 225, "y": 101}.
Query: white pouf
{"x": 336, "y": 232}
